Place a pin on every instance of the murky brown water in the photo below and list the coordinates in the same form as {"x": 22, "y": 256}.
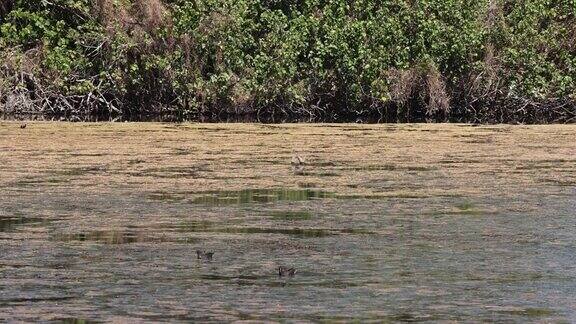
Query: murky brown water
{"x": 101, "y": 222}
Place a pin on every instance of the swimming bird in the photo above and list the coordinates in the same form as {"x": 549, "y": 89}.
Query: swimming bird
{"x": 204, "y": 255}
{"x": 23, "y": 126}
{"x": 286, "y": 272}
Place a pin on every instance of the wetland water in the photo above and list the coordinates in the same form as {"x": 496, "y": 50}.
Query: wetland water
{"x": 389, "y": 222}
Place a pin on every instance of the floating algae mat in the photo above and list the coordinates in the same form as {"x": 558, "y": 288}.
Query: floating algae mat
{"x": 386, "y": 223}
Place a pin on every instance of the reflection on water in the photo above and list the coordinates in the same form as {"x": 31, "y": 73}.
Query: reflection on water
{"x": 11, "y": 223}
{"x": 223, "y": 198}
{"x": 291, "y": 215}
{"x": 300, "y": 232}
{"x": 108, "y": 237}
{"x": 297, "y": 232}
{"x": 532, "y": 312}
{"x": 75, "y": 321}
{"x": 127, "y": 237}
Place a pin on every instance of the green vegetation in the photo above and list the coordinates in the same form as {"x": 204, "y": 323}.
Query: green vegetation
{"x": 479, "y": 61}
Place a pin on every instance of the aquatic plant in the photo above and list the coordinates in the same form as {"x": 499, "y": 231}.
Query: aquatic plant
{"x": 480, "y": 61}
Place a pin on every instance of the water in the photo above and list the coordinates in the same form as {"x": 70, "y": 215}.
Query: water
{"x": 88, "y": 235}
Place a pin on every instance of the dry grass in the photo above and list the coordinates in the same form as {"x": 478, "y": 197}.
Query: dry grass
{"x": 18, "y": 79}
{"x": 402, "y": 83}
{"x": 438, "y": 99}
{"x": 112, "y": 14}
{"x": 493, "y": 14}
{"x": 423, "y": 83}
{"x": 152, "y": 14}
{"x": 139, "y": 16}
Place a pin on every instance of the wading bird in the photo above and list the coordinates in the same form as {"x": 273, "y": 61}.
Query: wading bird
{"x": 297, "y": 164}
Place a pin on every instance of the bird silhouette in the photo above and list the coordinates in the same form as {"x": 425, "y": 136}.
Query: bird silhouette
{"x": 286, "y": 272}
{"x": 297, "y": 163}
{"x": 23, "y": 126}
{"x": 204, "y": 255}
{"x": 297, "y": 160}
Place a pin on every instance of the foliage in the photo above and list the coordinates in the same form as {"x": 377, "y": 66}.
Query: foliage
{"x": 491, "y": 60}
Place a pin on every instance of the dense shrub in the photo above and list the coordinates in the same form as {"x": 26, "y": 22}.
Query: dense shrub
{"x": 487, "y": 61}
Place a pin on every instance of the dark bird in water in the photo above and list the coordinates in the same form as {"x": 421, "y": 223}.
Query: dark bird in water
{"x": 204, "y": 255}
{"x": 297, "y": 164}
{"x": 286, "y": 272}
{"x": 23, "y": 126}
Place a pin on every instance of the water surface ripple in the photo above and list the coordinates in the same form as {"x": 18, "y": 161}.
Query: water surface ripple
{"x": 101, "y": 222}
